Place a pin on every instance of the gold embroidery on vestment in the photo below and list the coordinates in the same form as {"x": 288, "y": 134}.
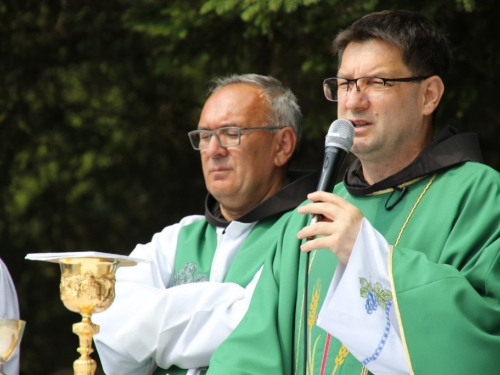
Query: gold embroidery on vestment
{"x": 391, "y": 276}
{"x": 390, "y": 190}
{"x": 340, "y": 358}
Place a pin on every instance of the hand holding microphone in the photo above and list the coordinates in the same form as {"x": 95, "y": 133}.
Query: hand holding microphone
{"x": 335, "y": 219}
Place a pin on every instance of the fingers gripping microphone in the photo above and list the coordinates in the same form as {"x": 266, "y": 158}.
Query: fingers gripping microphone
{"x": 338, "y": 143}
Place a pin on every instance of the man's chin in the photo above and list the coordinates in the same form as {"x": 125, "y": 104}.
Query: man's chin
{"x": 221, "y": 195}
{"x": 221, "y": 192}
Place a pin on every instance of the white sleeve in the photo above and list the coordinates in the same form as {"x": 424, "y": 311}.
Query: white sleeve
{"x": 185, "y": 324}
{"x": 149, "y": 323}
{"x": 9, "y": 309}
{"x": 358, "y": 309}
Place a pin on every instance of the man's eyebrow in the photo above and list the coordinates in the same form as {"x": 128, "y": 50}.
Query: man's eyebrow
{"x": 375, "y": 73}
{"x": 222, "y": 126}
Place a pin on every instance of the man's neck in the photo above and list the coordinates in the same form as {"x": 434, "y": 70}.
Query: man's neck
{"x": 376, "y": 170}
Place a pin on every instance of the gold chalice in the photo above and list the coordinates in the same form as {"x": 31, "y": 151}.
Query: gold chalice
{"x": 87, "y": 287}
{"x": 11, "y": 332}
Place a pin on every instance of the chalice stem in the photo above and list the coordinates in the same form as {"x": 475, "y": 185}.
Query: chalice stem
{"x": 85, "y": 331}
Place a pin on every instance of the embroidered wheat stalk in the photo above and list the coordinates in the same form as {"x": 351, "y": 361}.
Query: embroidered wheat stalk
{"x": 313, "y": 308}
{"x": 340, "y": 358}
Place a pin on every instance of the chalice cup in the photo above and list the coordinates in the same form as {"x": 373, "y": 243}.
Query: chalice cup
{"x": 87, "y": 287}
{"x": 11, "y": 332}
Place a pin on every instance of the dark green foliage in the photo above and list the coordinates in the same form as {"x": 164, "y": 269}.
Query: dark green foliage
{"x": 96, "y": 98}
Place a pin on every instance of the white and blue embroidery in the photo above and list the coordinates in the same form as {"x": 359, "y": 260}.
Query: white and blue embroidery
{"x": 376, "y": 296}
{"x": 187, "y": 275}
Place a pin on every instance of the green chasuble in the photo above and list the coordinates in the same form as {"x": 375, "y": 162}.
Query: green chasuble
{"x": 444, "y": 270}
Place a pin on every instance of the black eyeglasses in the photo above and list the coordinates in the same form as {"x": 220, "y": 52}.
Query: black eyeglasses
{"x": 229, "y": 136}
{"x": 371, "y": 88}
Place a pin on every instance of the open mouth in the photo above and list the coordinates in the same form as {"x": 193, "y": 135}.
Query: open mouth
{"x": 360, "y": 124}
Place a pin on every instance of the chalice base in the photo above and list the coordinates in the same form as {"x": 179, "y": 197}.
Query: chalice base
{"x": 85, "y": 331}
{"x": 84, "y": 367}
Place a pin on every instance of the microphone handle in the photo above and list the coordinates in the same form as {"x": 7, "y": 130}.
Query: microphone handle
{"x": 334, "y": 157}
{"x": 332, "y": 161}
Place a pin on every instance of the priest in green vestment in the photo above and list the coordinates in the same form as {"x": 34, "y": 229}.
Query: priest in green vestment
{"x": 171, "y": 313}
{"x": 404, "y": 268}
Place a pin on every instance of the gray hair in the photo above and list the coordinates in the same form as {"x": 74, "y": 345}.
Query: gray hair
{"x": 283, "y": 104}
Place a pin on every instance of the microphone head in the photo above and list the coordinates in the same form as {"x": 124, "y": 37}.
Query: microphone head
{"x": 340, "y": 134}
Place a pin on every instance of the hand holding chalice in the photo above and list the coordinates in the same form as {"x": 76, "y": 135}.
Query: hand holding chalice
{"x": 11, "y": 332}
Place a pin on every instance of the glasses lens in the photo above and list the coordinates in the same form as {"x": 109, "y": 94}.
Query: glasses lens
{"x": 229, "y": 137}
{"x": 330, "y": 89}
{"x": 226, "y": 137}
{"x": 196, "y": 138}
{"x": 371, "y": 88}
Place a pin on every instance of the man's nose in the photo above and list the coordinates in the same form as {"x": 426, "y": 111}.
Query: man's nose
{"x": 356, "y": 99}
{"x": 214, "y": 147}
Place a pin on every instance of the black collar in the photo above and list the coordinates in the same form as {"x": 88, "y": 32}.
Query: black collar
{"x": 448, "y": 149}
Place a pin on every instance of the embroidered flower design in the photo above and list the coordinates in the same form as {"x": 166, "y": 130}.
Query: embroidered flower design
{"x": 375, "y": 295}
{"x": 187, "y": 275}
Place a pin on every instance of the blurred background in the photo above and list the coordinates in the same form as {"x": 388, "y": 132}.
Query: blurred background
{"x": 96, "y": 98}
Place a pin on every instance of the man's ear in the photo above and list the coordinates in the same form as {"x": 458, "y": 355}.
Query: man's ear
{"x": 285, "y": 145}
{"x": 433, "y": 91}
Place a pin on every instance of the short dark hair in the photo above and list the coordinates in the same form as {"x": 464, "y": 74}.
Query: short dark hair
{"x": 424, "y": 47}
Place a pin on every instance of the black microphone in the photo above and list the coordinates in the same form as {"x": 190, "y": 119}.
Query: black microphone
{"x": 338, "y": 143}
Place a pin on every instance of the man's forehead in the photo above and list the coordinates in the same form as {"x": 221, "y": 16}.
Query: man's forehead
{"x": 234, "y": 105}
{"x": 373, "y": 57}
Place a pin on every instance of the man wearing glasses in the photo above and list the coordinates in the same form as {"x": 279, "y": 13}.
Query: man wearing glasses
{"x": 404, "y": 273}
{"x": 174, "y": 311}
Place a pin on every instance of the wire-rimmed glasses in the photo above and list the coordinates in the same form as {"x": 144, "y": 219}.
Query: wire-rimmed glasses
{"x": 228, "y": 136}
{"x": 370, "y": 88}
